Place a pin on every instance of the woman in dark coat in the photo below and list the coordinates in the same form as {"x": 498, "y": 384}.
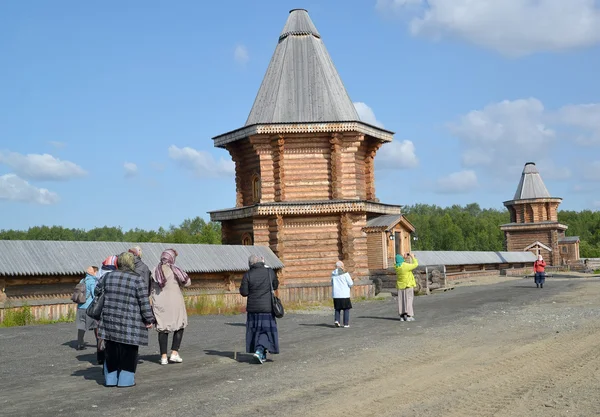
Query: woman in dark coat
{"x": 261, "y": 326}
{"x": 126, "y": 317}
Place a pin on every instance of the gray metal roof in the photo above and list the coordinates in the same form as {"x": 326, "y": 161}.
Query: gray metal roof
{"x": 301, "y": 84}
{"x": 386, "y": 220}
{"x": 568, "y": 239}
{"x": 40, "y": 257}
{"x": 531, "y": 184}
{"x": 472, "y": 257}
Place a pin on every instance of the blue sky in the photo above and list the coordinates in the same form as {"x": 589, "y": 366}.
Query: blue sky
{"x": 107, "y": 109}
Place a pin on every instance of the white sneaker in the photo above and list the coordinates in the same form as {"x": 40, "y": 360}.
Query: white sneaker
{"x": 164, "y": 361}
{"x": 336, "y": 323}
{"x": 346, "y": 326}
{"x": 176, "y": 358}
{"x": 410, "y": 319}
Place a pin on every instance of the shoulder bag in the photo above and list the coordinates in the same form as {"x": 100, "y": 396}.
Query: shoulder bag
{"x": 79, "y": 293}
{"x": 94, "y": 310}
{"x": 276, "y": 304}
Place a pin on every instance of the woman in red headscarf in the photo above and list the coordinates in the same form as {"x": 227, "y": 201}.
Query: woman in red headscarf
{"x": 168, "y": 304}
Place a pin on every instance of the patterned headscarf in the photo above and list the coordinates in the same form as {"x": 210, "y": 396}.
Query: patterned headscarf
{"x": 126, "y": 261}
{"x": 168, "y": 258}
{"x": 110, "y": 261}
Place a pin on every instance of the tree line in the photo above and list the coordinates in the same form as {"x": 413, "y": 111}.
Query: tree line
{"x": 194, "y": 230}
{"x": 472, "y": 228}
{"x": 457, "y": 227}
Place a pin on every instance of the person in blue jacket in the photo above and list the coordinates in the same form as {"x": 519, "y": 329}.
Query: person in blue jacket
{"x": 85, "y": 322}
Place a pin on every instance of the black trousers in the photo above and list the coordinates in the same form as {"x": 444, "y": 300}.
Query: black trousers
{"x": 163, "y": 340}
{"x": 121, "y": 357}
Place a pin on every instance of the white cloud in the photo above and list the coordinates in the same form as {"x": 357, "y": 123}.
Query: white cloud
{"x": 397, "y": 155}
{"x": 553, "y": 171}
{"x": 131, "y": 169}
{"x": 41, "y": 167}
{"x": 502, "y": 136}
{"x": 585, "y": 118}
{"x": 512, "y": 27}
{"x": 241, "y": 55}
{"x": 13, "y": 188}
{"x": 366, "y": 114}
{"x": 201, "y": 163}
{"x": 457, "y": 182}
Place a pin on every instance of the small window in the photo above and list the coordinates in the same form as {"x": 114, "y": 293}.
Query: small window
{"x": 565, "y": 249}
{"x": 247, "y": 239}
{"x": 256, "y": 189}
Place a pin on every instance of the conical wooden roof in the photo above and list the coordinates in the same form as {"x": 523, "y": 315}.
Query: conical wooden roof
{"x": 301, "y": 84}
{"x": 531, "y": 185}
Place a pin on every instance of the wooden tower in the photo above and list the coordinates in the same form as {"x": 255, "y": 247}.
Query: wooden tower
{"x": 534, "y": 222}
{"x": 304, "y": 171}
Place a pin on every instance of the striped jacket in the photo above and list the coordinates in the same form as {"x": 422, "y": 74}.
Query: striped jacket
{"x": 126, "y": 308}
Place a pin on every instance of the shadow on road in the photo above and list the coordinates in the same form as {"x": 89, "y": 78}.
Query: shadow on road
{"x": 379, "y": 318}
{"x": 236, "y": 324}
{"x": 90, "y": 374}
{"x": 88, "y": 357}
{"x": 240, "y": 357}
{"x": 330, "y": 326}
{"x": 525, "y": 286}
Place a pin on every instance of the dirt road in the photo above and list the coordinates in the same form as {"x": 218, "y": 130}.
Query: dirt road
{"x": 496, "y": 350}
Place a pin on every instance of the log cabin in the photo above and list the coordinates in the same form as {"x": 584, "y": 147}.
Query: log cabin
{"x": 304, "y": 169}
{"x": 534, "y": 224}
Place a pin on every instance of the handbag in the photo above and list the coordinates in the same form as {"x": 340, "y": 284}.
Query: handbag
{"x": 276, "y": 304}
{"x": 94, "y": 310}
{"x": 79, "y": 294}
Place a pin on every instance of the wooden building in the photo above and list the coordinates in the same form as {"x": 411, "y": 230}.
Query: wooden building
{"x": 534, "y": 224}
{"x": 304, "y": 167}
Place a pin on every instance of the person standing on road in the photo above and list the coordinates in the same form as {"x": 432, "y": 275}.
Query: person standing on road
{"x": 168, "y": 304}
{"x": 341, "y": 282}
{"x": 126, "y": 318}
{"x": 140, "y": 267}
{"x": 405, "y": 283}
{"x": 539, "y": 269}
{"x": 261, "y": 327}
{"x": 85, "y": 322}
{"x": 108, "y": 265}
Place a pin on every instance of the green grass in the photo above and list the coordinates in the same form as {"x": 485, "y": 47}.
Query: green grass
{"x": 23, "y": 316}
{"x": 596, "y": 271}
{"x": 211, "y": 305}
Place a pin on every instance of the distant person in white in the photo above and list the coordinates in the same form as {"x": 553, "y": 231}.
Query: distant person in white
{"x": 341, "y": 284}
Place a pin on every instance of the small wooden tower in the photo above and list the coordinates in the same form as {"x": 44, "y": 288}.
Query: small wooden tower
{"x": 534, "y": 224}
{"x": 304, "y": 164}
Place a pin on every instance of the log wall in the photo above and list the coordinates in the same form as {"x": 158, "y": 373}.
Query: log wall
{"x": 518, "y": 240}
{"x": 376, "y": 254}
{"x": 232, "y": 231}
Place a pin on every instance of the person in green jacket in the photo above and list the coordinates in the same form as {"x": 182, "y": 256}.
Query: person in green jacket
{"x": 405, "y": 283}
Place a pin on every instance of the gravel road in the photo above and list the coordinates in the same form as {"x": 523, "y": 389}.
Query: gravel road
{"x": 506, "y": 349}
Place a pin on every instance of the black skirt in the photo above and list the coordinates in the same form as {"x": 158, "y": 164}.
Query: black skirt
{"x": 342, "y": 303}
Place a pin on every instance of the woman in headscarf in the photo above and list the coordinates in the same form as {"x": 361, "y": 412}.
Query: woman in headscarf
{"x": 405, "y": 283}
{"x": 168, "y": 304}
{"x": 126, "y": 317}
{"x": 341, "y": 284}
{"x": 539, "y": 269}
{"x": 261, "y": 327}
{"x": 108, "y": 265}
{"x": 85, "y": 322}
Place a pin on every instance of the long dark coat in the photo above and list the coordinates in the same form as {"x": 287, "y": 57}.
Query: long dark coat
{"x": 255, "y": 285}
{"x": 126, "y": 308}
